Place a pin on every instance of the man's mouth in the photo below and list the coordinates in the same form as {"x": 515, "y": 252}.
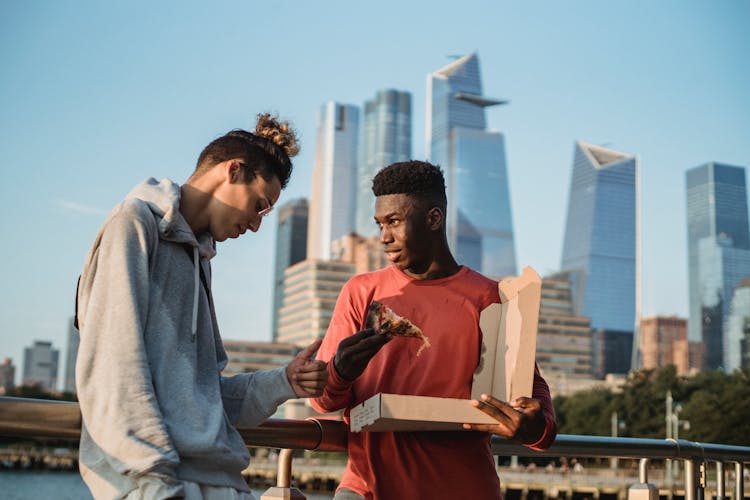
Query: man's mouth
{"x": 392, "y": 255}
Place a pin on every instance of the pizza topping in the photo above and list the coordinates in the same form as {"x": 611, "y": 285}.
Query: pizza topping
{"x": 386, "y": 322}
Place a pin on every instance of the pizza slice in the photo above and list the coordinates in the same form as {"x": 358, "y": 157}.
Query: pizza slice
{"x": 386, "y": 322}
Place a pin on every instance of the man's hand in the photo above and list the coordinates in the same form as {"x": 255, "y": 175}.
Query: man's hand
{"x": 522, "y": 420}
{"x": 307, "y": 376}
{"x": 355, "y": 352}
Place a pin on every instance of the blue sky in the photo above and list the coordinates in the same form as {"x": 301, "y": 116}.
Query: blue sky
{"x": 97, "y": 96}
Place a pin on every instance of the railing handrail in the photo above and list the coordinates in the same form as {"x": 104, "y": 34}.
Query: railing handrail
{"x": 24, "y": 417}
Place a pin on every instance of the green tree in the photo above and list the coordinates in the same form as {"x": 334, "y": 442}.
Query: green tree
{"x": 717, "y": 406}
{"x": 585, "y": 412}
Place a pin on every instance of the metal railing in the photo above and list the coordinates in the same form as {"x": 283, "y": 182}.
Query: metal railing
{"x": 20, "y": 417}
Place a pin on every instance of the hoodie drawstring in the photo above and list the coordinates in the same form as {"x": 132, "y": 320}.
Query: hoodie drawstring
{"x": 196, "y": 292}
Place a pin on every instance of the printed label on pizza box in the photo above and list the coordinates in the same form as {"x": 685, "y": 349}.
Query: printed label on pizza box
{"x": 506, "y": 368}
{"x": 396, "y": 412}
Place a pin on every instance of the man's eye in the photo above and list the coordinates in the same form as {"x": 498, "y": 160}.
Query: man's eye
{"x": 394, "y": 222}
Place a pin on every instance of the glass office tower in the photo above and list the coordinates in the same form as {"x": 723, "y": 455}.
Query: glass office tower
{"x": 739, "y": 327}
{"x": 291, "y": 247}
{"x": 479, "y": 218}
{"x": 386, "y": 138}
{"x": 721, "y": 268}
{"x": 600, "y": 236}
{"x": 333, "y": 200}
{"x": 717, "y": 242}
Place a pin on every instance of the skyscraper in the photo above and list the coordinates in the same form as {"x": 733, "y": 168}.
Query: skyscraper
{"x": 599, "y": 249}
{"x": 718, "y": 250}
{"x": 333, "y": 200}
{"x": 291, "y": 247}
{"x": 386, "y": 138}
{"x": 479, "y": 218}
{"x": 721, "y": 267}
{"x": 736, "y": 348}
{"x": 40, "y": 365}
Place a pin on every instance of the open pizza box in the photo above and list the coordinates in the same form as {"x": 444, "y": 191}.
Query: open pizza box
{"x": 506, "y": 368}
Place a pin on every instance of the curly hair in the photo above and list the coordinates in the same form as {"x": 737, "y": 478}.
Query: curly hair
{"x": 420, "y": 180}
{"x": 266, "y": 152}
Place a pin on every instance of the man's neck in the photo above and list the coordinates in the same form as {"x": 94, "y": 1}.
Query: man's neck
{"x": 193, "y": 203}
{"x": 439, "y": 268}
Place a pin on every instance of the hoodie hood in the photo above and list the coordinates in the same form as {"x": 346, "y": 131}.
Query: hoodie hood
{"x": 163, "y": 199}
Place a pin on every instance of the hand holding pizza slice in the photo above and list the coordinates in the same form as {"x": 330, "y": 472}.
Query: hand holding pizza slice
{"x": 385, "y": 321}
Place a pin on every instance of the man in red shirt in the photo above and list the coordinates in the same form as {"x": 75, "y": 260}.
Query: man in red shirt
{"x": 426, "y": 285}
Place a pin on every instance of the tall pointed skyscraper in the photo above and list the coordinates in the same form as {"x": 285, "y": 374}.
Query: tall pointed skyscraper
{"x": 600, "y": 247}
{"x": 718, "y": 254}
{"x": 479, "y": 218}
{"x": 333, "y": 200}
{"x": 386, "y": 139}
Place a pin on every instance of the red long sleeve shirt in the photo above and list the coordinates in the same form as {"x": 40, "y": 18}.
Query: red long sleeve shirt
{"x": 423, "y": 465}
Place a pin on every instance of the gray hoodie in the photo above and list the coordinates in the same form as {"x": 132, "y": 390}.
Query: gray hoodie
{"x": 155, "y": 408}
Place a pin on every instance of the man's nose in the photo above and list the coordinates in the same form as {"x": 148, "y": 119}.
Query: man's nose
{"x": 385, "y": 234}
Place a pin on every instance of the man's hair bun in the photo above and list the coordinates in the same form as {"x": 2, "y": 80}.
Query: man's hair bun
{"x": 278, "y": 132}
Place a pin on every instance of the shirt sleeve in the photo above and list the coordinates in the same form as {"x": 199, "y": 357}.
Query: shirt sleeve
{"x": 346, "y": 321}
{"x": 120, "y": 410}
{"x": 541, "y": 392}
{"x": 250, "y": 398}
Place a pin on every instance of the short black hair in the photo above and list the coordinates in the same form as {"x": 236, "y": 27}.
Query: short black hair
{"x": 421, "y": 180}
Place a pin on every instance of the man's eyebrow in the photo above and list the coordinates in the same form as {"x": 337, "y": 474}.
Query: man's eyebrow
{"x": 388, "y": 215}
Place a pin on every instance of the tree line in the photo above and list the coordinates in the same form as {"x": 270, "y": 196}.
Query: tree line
{"x": 712, "y": 407}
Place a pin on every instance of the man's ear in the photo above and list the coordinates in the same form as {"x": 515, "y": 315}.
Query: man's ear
{"x": 435, "y": 218}
{"x": 232, "y": 171}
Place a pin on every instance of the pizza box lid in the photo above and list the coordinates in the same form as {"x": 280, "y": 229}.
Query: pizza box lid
{"x": 397, "y": 412}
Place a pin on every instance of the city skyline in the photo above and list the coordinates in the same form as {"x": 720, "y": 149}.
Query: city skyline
{"x": 98, "y": 97}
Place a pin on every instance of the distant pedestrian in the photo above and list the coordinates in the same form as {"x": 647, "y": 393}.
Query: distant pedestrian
{"x": 158, "y": 418}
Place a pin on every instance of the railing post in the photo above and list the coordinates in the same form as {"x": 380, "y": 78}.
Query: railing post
{"x": 739, "y": 481}
{"x": 720, "y": 477}
{"x": 690, "y": 486}
{"x": 283, "y": 489}
{"x": 643, "y": 490}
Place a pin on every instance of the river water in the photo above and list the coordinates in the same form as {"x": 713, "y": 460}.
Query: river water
{"x": 15, "y": 485}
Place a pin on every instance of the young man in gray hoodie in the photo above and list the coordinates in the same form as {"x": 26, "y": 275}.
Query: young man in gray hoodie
{"x": 158, "y": 418}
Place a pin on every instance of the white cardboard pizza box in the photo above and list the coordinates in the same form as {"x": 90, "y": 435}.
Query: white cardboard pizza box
{"x": 506, "y": 368}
